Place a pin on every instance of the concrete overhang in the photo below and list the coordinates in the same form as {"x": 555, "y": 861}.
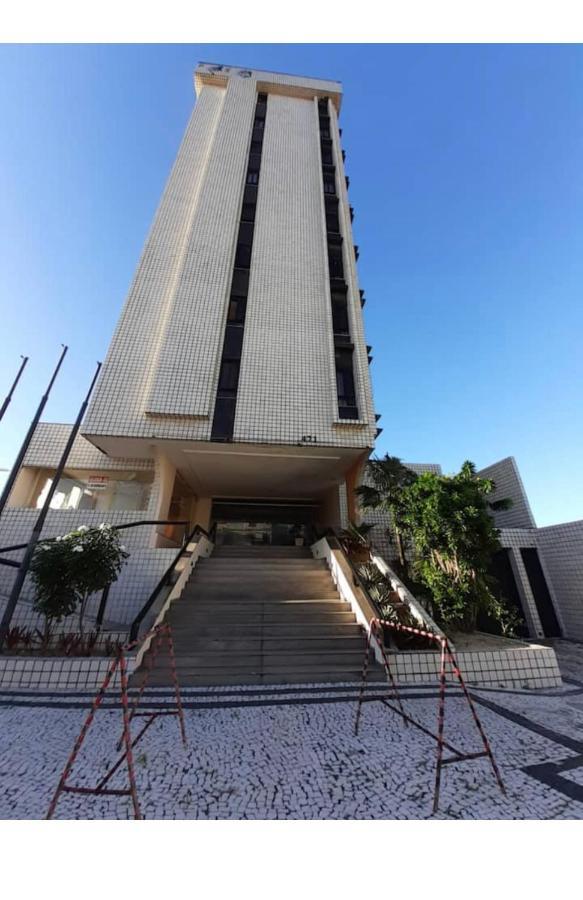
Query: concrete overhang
{"x": 245, "y": 470}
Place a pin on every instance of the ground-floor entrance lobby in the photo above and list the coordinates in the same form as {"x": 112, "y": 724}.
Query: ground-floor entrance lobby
{"x": 260, "y": 522}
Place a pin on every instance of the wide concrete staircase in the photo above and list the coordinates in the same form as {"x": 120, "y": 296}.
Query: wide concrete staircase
{"x": 262, "y": 615}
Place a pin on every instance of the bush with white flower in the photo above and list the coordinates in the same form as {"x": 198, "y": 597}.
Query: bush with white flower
{"x": 67, "y": 571}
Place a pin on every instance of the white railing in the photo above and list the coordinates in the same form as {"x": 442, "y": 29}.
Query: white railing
{"x": 361, "y": 605}
{"x": 417, "y": 610}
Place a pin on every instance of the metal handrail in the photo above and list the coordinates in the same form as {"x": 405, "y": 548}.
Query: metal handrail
{"x": 11, "y": 562}
{"x": 418, "y": 609}
{"x": 357, "y": 580}
{"x": 135, "y": 626}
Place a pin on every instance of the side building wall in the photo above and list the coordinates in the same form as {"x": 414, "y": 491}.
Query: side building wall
{"x": 562, "y": 551}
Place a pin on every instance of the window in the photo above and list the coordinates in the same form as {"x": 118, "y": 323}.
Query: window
{"x": 237, "y": 307}
{"x": 258, "y": 125}
{"x": 240, "y": 284}
{"x": 329, "y": 184}
{"x": 332, "y": 220}
{"x": 248, "y": 212}
{"x": 347, "y": 408}
{"x": 340, "y": 318}
{"x": 347, "y": 412}
{"x": 243, "y": 256}
{"x": 335, "y": 262}
{"x": 233, "y": 342}
{"x": 253, "y": 177}
{"x": 245, "y": 233}
{"x": 224, "y": 419}
{"x": 327, "y": 156}
{"x": 256, "y": 145}
{"x": 229, "y": 376}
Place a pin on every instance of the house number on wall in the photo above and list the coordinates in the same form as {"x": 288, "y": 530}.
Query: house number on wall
{"x": 309, "y": 439}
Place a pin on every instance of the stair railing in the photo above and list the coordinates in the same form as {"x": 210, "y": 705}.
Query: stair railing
{"x": 417, "y": 610}
{"x": 187, "y": 539}
{"x": 199, "y": 531}
{"x": 15, "y": 564}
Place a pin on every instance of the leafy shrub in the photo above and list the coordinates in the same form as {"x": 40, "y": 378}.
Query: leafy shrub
{"x": 18, "y": 638}
{"x": 66, "y": 571}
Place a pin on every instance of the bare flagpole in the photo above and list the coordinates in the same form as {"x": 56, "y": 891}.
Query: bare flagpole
{"x": 6, "y": 403}
{"x": 36, "y": 532}
{"x": 29, "y": 435}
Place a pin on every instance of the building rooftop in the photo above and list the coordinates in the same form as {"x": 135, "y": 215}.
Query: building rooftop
{"x": 271, "y": 82}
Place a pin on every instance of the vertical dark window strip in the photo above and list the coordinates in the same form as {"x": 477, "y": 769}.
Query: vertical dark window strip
{"x": 226, "y": 399}
{"x": 345, "y": 387}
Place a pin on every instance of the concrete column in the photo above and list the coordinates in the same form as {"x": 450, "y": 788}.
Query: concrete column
{"x": 354, "y": 478}
{"x": 161, "y": 496}
{"x": 329, "y": 515}
{"x": 26, "y": 487}
{"x": 202, "y": 512}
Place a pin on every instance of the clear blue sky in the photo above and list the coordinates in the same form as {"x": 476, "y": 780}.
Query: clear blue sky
{"x": 466, "y": 170}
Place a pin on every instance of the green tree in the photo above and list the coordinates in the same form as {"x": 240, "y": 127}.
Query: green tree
{"x": 389, "y": 479}
{"x": 71, "y": 568}
{"x": 449, "y": 521}
{"x": 55, "y": 595}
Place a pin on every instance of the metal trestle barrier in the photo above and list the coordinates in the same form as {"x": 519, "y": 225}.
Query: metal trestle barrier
{"x": 119, "y": 664}
{"x": 446, "y": 658}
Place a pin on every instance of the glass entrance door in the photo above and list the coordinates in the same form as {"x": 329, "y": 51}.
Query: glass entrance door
{"x": 259, "y": 533}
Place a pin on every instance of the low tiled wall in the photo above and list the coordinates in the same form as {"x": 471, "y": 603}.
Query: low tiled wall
{"x": 56, "y": 673}
{"x": 531, "y": 666}
{"x": 78, "y": 673}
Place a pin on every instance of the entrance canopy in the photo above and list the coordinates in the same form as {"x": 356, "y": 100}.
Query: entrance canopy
{"x": 214, "y": 469}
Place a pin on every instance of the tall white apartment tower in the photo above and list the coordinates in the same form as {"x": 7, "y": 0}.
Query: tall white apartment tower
{"x": 239, "y": 369}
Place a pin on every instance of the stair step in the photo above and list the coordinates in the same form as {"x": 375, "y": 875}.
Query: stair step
{"x": 209, "y": 595}
{"x": 196, "y": 662}
{"x": 258, "y": 642}
{"x": 260, "y": 550}
{"x": 259, "y": 577}
{"x": 187, "y": 606}
{"x": 263, "y": 615}
{"x": 282, "y": 630}
{"x": 248, "y": 564}
{"x": 258, "y": 618}
{"x": 232, "y": 678}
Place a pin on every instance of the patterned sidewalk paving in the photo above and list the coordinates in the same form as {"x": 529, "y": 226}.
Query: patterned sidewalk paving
{"x": 252, "y": 757}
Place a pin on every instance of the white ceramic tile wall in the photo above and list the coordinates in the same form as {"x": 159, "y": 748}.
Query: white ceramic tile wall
{"x": 160, "y": 376}
{"x": 561, "y": 548}
{"x": 49, "y": 441}
{"x": 509, "y": 484}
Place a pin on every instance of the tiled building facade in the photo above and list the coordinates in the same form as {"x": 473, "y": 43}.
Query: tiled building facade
{"x": 236, "y": 386}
